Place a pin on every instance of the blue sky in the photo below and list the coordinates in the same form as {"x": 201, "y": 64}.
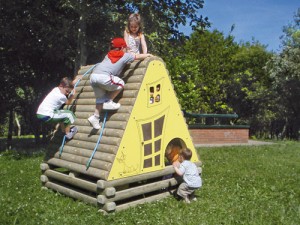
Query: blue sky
{"x": 262, "y": 20}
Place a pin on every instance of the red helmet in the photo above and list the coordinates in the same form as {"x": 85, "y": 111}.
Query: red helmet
{"x": 118, "y": 43}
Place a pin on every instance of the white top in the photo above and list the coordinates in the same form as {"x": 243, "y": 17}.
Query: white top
{"x": 190, "y": 174}
{"x": 53, "y": 101}
{"x": 134, "y": 44}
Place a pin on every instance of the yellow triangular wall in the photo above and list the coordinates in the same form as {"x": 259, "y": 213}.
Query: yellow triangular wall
{"x": 155, "y": 120}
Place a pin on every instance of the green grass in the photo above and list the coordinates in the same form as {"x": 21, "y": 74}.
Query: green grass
{"x": 242, "y": 185}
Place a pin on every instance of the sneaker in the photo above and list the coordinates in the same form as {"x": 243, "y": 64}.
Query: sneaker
{"x": 94, "y": 121}
{"x": 110, "y": 105}
{"x": 186, "y": 200}
{"x": 193, "y": 197}
{"x": 72, "y": 132}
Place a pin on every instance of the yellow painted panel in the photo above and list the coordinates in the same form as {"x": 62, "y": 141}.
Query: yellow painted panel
{"x": 156, "y": 119}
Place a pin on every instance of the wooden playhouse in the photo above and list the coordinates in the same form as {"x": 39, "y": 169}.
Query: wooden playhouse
{"x": 129, "y": 166}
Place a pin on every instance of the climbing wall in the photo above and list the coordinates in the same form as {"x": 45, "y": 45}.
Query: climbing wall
{"x": 129, "y": 165}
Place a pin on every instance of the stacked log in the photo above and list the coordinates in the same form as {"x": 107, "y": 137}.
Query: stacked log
{"x": 114, "y": 195}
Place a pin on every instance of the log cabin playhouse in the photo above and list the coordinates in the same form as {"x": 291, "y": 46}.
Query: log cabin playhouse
{"x": 128, "y": 166}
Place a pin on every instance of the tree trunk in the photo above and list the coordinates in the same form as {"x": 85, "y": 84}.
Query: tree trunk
{"x": 18, "y": 124}
{"x": 10, "y": 129}
{"x": 82, "y": 40}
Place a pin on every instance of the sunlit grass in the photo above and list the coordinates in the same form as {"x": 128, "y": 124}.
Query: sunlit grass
{"x": 242, "y": 185}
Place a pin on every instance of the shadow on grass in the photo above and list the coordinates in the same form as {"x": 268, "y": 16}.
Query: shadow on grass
{"x": 22, "y": 147}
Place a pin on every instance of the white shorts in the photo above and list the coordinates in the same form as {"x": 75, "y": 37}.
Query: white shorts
{"x": 102, "y": 83}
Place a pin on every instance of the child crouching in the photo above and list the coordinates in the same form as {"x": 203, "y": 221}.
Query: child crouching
{"x": 189, "y": 172}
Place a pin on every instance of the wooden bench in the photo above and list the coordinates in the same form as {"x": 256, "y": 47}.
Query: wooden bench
{"x": 216, "y": 129}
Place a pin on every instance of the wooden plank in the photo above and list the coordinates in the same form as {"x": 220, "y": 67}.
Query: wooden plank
{"x": 106, "y": 132}
{"x": 143, "y": 63}
{"x": 132, "y": 86}
{"x": 44, "y": 166}
{"x": 128, "y": 86}
{"x": 91, "y": 145}
{"x": 83, "y": 69}
{"x": 85, "y": 108}
{"x": 127, "y": 180}
{"x": 109, "y": 124}
{"x": 142, "y": 201}
{"x": 84, "y": 95}
{"x": 87, "y": 87}
{"x": 95, "y": 163}
{"x": 122, "y": 101}
{"x": 109, "y": 207}
{"x": 44, "y": 179}
{"x": 127, "y": 101}
{"x": 94, "y": 138}
{"x": 139, "y": 190}
{"x": 90, "y": 101}
{"x": 94, "y": 172}
{"x": 83, "y": 184}
{"x": 91, "y": 109}
{"x": 129, "y": 93}
{"x": 133, "y": 72}
{"x": 134, "y": 79}
{"x": 111, "y": 116}
{"x": 107, "y": 157}
{"x": 71, "y": 193}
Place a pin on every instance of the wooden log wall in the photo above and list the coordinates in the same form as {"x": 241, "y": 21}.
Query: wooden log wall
{"x": 114, "y": 195}
{"x": 77, "y": 151}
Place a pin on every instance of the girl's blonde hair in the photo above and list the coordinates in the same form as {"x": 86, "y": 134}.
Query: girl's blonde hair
{"x": 136, "y": 18}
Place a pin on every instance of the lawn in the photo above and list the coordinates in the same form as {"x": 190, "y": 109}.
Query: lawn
{"x": 242, "y": 185}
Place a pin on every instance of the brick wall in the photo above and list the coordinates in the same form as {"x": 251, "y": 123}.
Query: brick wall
{"x": 219, "y": 136}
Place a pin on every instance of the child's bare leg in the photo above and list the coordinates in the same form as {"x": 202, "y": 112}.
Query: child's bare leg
{"x": 98, "y": 109}
{"x": 114, "y": 94}
{"x": 67, "y": 129}
{"x": 62, "y": 127}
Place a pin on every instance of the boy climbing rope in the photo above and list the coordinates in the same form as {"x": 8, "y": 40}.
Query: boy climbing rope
{"x": 49, "y": 110}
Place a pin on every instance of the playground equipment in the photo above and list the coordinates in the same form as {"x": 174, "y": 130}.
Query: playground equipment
{"x": 128, "y": 166}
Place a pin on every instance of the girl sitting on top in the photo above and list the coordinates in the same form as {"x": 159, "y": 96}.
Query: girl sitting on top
{"x": 133, "y": 35}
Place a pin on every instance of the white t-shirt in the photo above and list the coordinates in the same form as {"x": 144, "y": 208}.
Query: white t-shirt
{"x": 53, "y": 101}
{"x": 134, "y": 44}
{"x": 190, "y": 174}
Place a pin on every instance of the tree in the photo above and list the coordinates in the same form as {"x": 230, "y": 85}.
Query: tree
{"x": 38, "y": 47}
{"x": 32, "y": 47}
{"x": 213, "y": 74}
{"x": 284, "y": 69}
{"x": 200, "y": 71}
{"x": 248, "y": 90}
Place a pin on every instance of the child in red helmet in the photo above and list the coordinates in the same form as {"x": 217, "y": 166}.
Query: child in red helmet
{"x": 105, "y": 79}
